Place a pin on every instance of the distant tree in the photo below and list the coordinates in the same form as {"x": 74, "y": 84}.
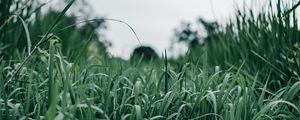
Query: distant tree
{"x": 211, "y": 29}
{"x": 187, "y": 35}
{"x": 145, "y": 52}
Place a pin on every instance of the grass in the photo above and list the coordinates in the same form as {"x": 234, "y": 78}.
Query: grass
{"x": 107, "y": 91}
{"x": 249, "y": 71}
{"x": 265, "y": 42}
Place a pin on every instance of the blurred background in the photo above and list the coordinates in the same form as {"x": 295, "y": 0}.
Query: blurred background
{"x": 155, "y": 21}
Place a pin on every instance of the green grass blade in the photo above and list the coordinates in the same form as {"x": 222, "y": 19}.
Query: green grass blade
{"x": 27, "y": 35}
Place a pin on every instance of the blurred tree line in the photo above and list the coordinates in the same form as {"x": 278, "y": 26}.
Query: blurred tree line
{"x": 195, "y": 37}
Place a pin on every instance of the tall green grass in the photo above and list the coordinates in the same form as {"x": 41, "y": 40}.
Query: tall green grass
{"x": 109, "y": 91}
{"x": 254, "y": 54}
{"x": 266, "y": 43}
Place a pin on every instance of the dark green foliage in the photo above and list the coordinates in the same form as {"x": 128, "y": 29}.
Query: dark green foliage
{"x": 210, "y": 27}
{"x": 188, "y": 35}
{"x": 212, "y": 30}
{"x": 145, "y": 53}
{"x": 5, "y": 18}
{"x": 195, "y": 40}
{"x": 73, "y": 36}
{"x": 264, "y": 42}
{"x": 13, "y": 38}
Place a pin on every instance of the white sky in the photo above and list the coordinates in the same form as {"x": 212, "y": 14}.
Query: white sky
{"x": 155, "y": 20}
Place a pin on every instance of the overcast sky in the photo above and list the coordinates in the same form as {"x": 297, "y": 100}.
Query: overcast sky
{"x": 155, "y": 20}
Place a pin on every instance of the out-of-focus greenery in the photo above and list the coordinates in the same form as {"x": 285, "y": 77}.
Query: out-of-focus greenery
{"x": 74, "y": 30}
{"x": 145, "y": 53}
{"x": 74, "y": 36}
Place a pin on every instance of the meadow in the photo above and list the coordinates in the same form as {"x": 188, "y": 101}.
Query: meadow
{"x": 248, "y": 69}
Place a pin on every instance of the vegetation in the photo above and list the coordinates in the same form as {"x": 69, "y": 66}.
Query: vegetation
{"x": 248, "y": 69}
{"x": 145, "y": 53}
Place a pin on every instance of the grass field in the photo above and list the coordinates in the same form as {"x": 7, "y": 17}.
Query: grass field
{"x": 249, "y": 69}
